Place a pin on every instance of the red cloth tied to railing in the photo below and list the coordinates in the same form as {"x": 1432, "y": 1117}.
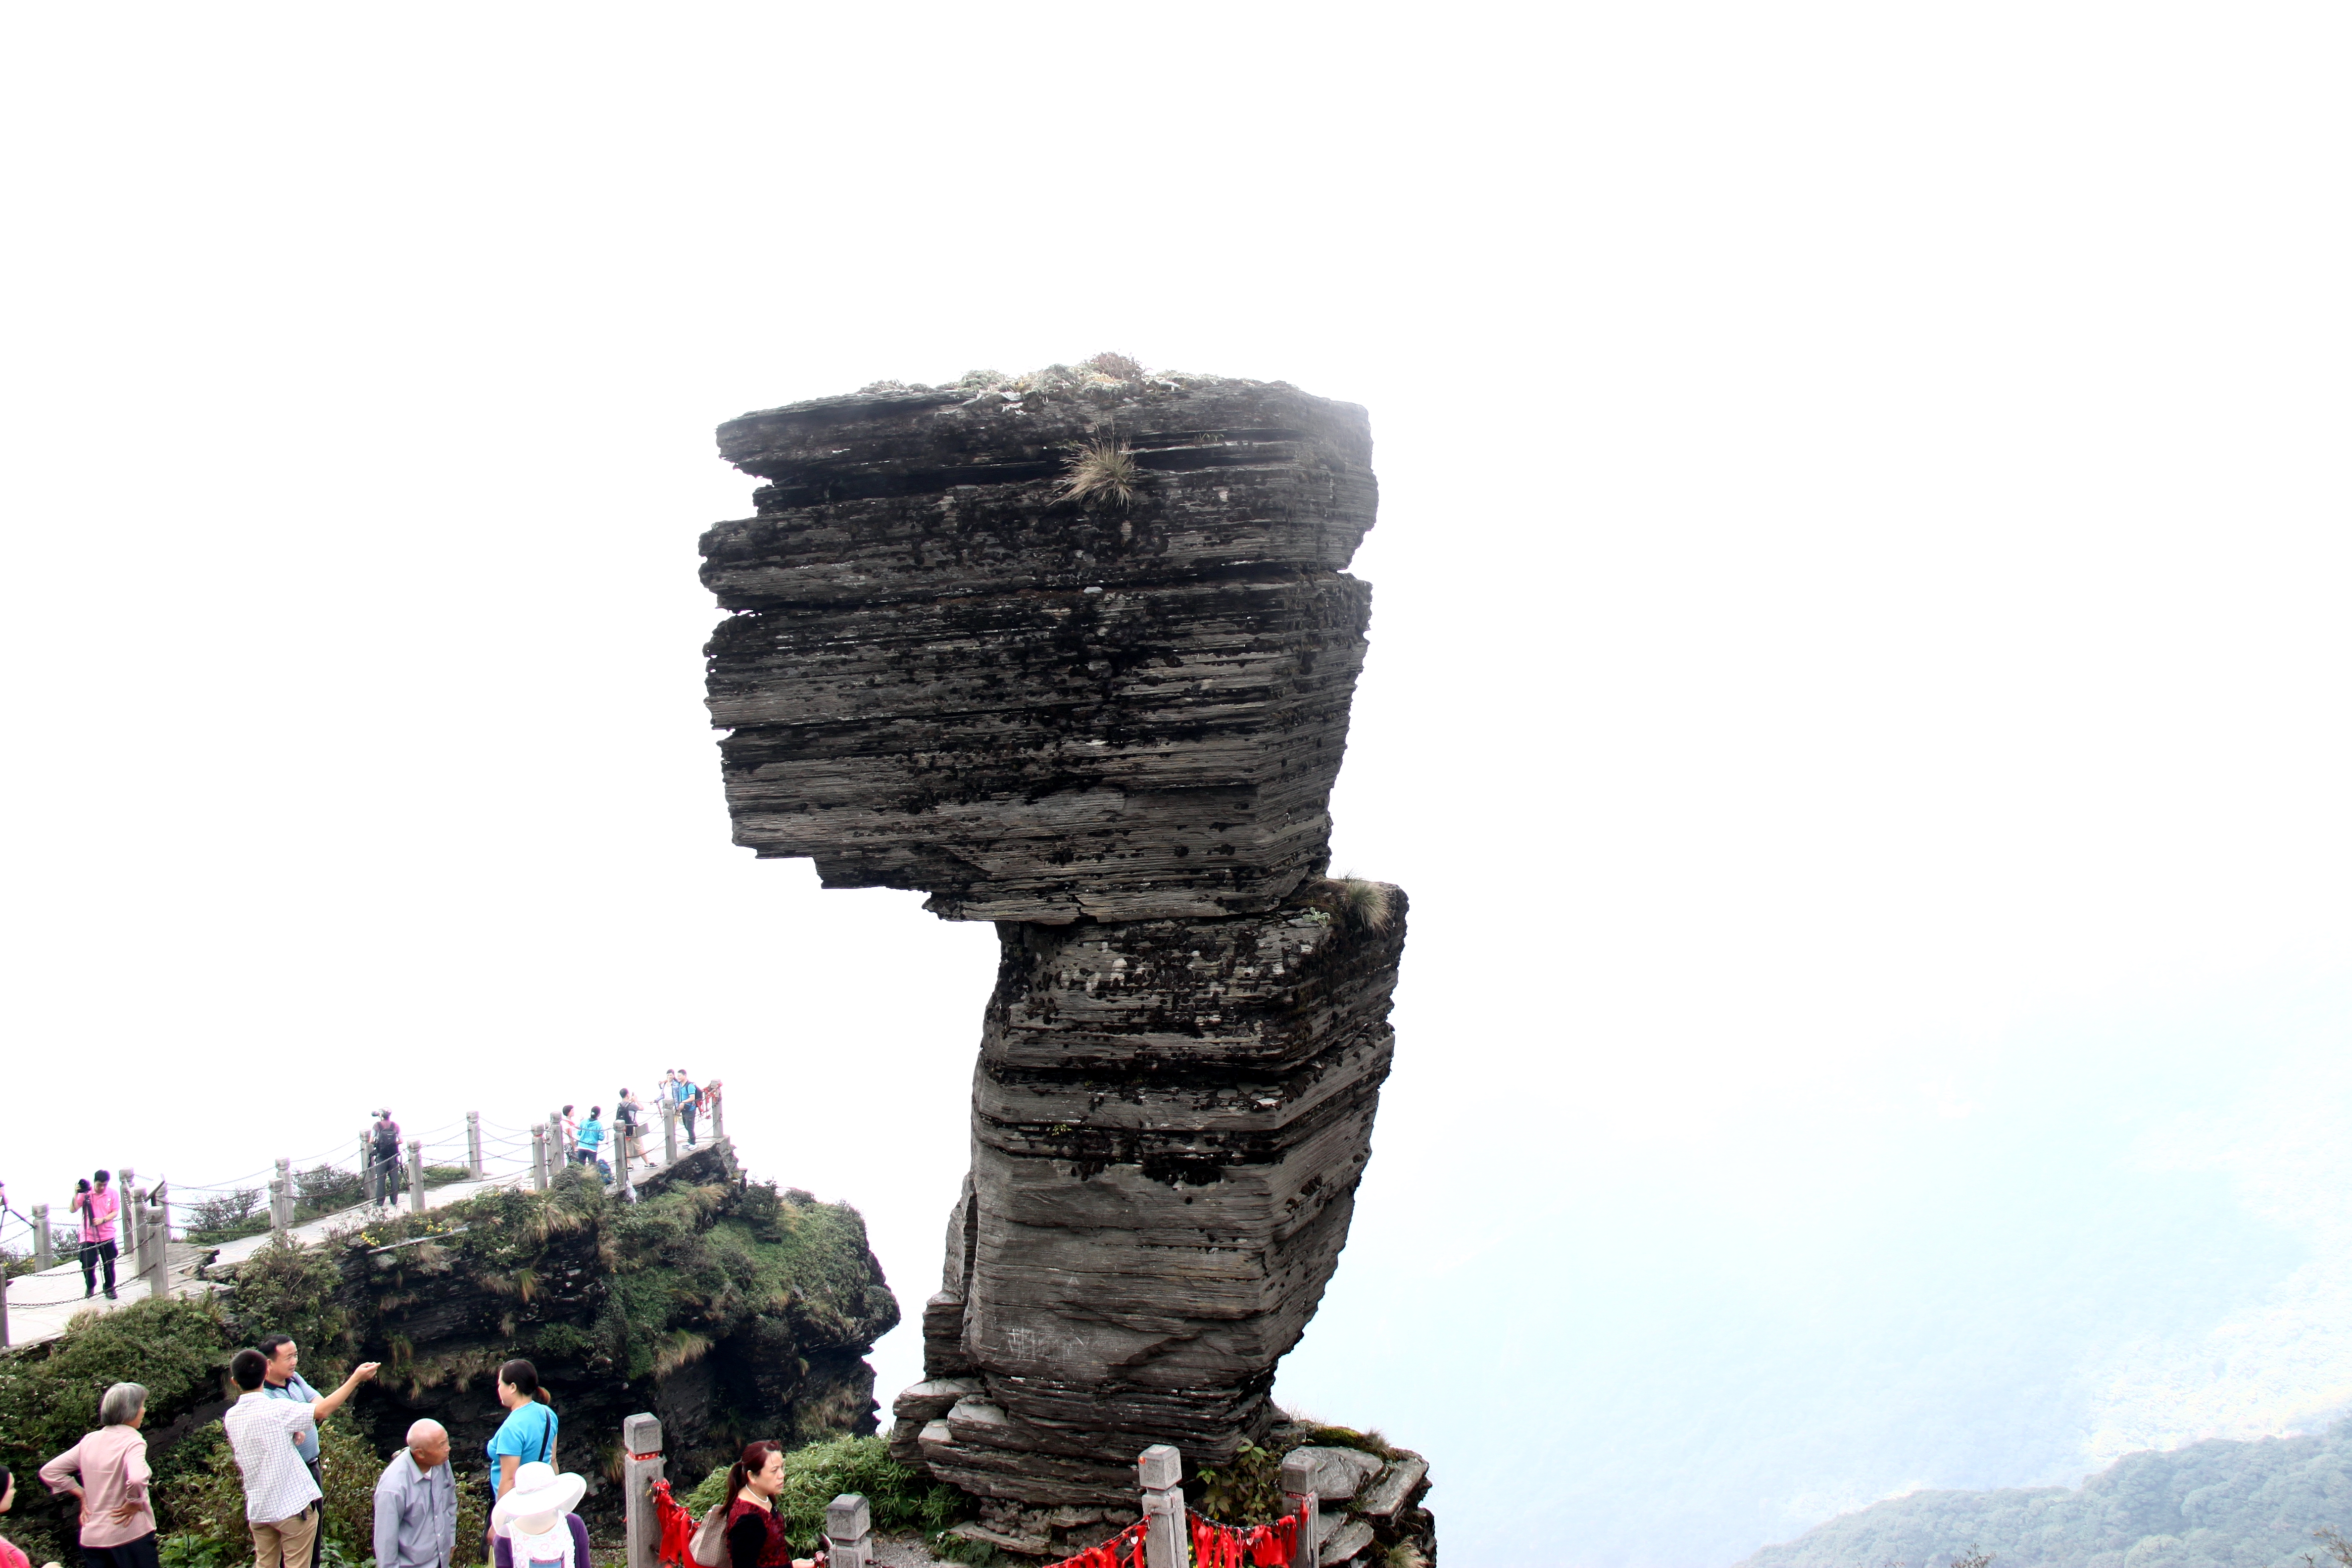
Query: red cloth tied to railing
{"x": 1124, "y": 1549}
{"x": 1218, "y": 1545}
{"x": 677, "y": 1526}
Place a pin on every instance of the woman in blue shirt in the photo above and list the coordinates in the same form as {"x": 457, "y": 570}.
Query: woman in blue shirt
{"x": 528, "y": 1434}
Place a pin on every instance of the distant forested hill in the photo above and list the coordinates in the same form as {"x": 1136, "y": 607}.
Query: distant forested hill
{"x": 2211, "y": 1505}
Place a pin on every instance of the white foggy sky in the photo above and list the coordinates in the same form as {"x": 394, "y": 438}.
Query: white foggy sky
{"x": 1855, "y": 692}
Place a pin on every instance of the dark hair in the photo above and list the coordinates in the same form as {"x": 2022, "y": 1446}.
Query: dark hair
{"x": 106, "y": 1175}
{"x": 268, "y": 1343}
{"x": 595, "y": 1112}
{"x": 567, "y": 1111}
{"x": 525, "y": 1378}
{"x": 247, "y": 1367}
{"x": 754, "y": 1460}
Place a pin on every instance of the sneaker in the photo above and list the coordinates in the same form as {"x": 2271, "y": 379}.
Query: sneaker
{"x": 110, "y": 1296}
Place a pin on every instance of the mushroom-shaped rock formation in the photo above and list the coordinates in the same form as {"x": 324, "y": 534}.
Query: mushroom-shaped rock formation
{"x": 1108, "y": 721}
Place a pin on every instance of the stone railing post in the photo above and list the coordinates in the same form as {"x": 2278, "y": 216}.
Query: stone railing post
{"x": 717, "y": 1113}
{"x": 670, "y": 1131}
{"x": 284, "y": 1215}
{"x": 641, "y": 1446}
{"x": 369, "y": 1175}
{"x": 559, "y": 1148}
{"x": 474, "y": 1144}
{"x": 417, "y": 1175}
{"x": 45, "y": 1246}
{"x": 538, "y": 1159}
{"x": 1160, "y": 1471}
{"x": 1298, "y": 1471}
{"x": 126, "y": 1245}
{"x": 3, "y": 1311}
{"x": 155, "y": 1246}
{"x": 849, "y": 1532}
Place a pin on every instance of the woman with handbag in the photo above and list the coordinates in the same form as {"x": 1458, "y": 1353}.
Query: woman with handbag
{"x": 755, "y": 1530}
{"x": 526, "y": 1437}
{"x": 107, "y": 1471}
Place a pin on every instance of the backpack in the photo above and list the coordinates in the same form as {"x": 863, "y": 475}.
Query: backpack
{"x": 709, "y": 1547}
{"x": 387, "y": 1141}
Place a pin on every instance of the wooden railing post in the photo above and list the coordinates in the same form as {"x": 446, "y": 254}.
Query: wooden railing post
{"x": 849, "y": 1532}
{"x": 473, "y": 1143}
{"x": 641, "y": 1443}
{"x": 1299, "y": 1472}
{"x": 45, "y": 1246}
{"x": 1160, "y": 1471}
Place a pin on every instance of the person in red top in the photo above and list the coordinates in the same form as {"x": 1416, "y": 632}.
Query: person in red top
{"x": 755, "y": 1530}
{"x": 98, "y": 1205}
{"x": 11, "y": 1554}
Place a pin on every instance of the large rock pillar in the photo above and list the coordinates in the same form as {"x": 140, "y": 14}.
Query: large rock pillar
{"x": 1111, "y": 723}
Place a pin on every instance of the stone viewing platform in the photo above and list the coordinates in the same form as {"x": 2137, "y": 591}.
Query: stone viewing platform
{"x": 158, "y": 1258}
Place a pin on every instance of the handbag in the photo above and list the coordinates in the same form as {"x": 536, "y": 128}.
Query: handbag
{"x": 709, "y": 1546}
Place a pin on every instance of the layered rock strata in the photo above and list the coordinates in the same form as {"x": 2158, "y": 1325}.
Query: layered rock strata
{"x": 1112, "y": 728}
{"x": 941, "y": 675}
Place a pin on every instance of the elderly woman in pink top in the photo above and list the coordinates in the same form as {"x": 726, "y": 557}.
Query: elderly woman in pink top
{"x": 108, "y": 1471}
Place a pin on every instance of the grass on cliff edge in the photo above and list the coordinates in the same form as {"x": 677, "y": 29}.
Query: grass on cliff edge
{"x": 899, "y": 1498}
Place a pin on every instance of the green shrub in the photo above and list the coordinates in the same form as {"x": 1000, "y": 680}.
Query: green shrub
{"x": 289, "y": 1290}
{"x": 49, "y": 1393}
{"x": 327, "y": 1189}
{"x": 900, "y": 1498}
{"x": 1246, "y": 1492}
{"x": 232, "y": 1213}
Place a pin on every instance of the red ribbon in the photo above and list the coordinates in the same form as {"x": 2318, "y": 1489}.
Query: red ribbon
{"x": 677, "y": 1526}
{"x": 1124, "y": 1549}
{"x": 1218, "y": 1545}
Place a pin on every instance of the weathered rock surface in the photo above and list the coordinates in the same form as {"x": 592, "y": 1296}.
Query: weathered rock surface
{"x": 1113, "y": 728}
{"x": 1169, "y": 1118}
{"x": 941, "y": 676}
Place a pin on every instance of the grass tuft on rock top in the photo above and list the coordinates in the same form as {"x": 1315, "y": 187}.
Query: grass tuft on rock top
{"x": 899, "y": 1498}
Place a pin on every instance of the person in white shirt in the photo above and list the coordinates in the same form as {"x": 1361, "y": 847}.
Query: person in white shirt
{"x": 266, "y": 1435}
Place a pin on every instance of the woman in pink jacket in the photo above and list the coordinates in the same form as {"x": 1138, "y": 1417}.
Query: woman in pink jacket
{"x": 108, "y": 1471}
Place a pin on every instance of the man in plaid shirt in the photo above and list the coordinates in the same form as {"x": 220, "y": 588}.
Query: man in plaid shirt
{"x": 266, "y": 1435}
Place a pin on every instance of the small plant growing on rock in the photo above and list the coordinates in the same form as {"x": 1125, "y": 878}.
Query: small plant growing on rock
{"x": 1119, "y": 367}
{"x": 1106, "y": 469}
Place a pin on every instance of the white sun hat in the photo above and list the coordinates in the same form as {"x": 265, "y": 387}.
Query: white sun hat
{"x": 536, "y": 1490}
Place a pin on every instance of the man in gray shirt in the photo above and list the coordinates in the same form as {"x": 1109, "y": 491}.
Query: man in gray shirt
{"x": 416, "y": 1504}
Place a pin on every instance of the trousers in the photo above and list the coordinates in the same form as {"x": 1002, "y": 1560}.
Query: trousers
{"x": 93, "y": 1254}
{"x": 287, "y": 1543}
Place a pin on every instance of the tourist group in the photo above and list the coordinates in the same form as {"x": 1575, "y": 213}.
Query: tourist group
{"x": 586, "y": 1142}
{"x": 273, "y": 1431}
